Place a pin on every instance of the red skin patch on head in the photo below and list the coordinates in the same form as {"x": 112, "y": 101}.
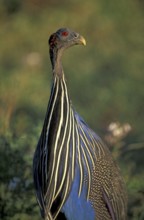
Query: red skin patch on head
{"x": 64, "y": 33}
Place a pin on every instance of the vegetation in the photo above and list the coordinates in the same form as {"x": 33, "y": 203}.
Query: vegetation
{"x": 105, "y": 80}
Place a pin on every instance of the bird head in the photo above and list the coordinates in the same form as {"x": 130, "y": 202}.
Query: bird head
{"x": 64, "y": 38}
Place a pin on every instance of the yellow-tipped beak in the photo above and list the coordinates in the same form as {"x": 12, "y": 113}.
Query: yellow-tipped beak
{"x": 82, "y": 40}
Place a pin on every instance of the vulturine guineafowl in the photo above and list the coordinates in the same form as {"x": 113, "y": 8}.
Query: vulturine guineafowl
{"x": 75, "y": 175}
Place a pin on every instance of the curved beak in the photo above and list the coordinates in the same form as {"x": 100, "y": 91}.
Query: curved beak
{"x": 81, "y": 40}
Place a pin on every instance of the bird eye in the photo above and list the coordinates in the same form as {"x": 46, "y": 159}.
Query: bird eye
{"x": 64, "y": 33}
{"x": 76, "y": 35}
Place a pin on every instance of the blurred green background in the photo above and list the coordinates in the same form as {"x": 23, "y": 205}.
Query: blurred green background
{"x": 105, "y": 80}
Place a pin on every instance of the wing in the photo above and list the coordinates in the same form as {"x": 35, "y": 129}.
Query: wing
{"x": 106, "y": 186}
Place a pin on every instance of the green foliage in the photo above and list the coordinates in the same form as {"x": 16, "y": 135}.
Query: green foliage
{"x": 17, "y": 199}
{"x": 105, "y": 81}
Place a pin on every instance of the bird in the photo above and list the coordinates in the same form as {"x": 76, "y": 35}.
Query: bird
{"x": 75, "y": 175}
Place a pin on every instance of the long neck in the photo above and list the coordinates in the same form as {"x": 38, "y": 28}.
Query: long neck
{"x": 59, "y": 102}
{"x": 55, "y": 56}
